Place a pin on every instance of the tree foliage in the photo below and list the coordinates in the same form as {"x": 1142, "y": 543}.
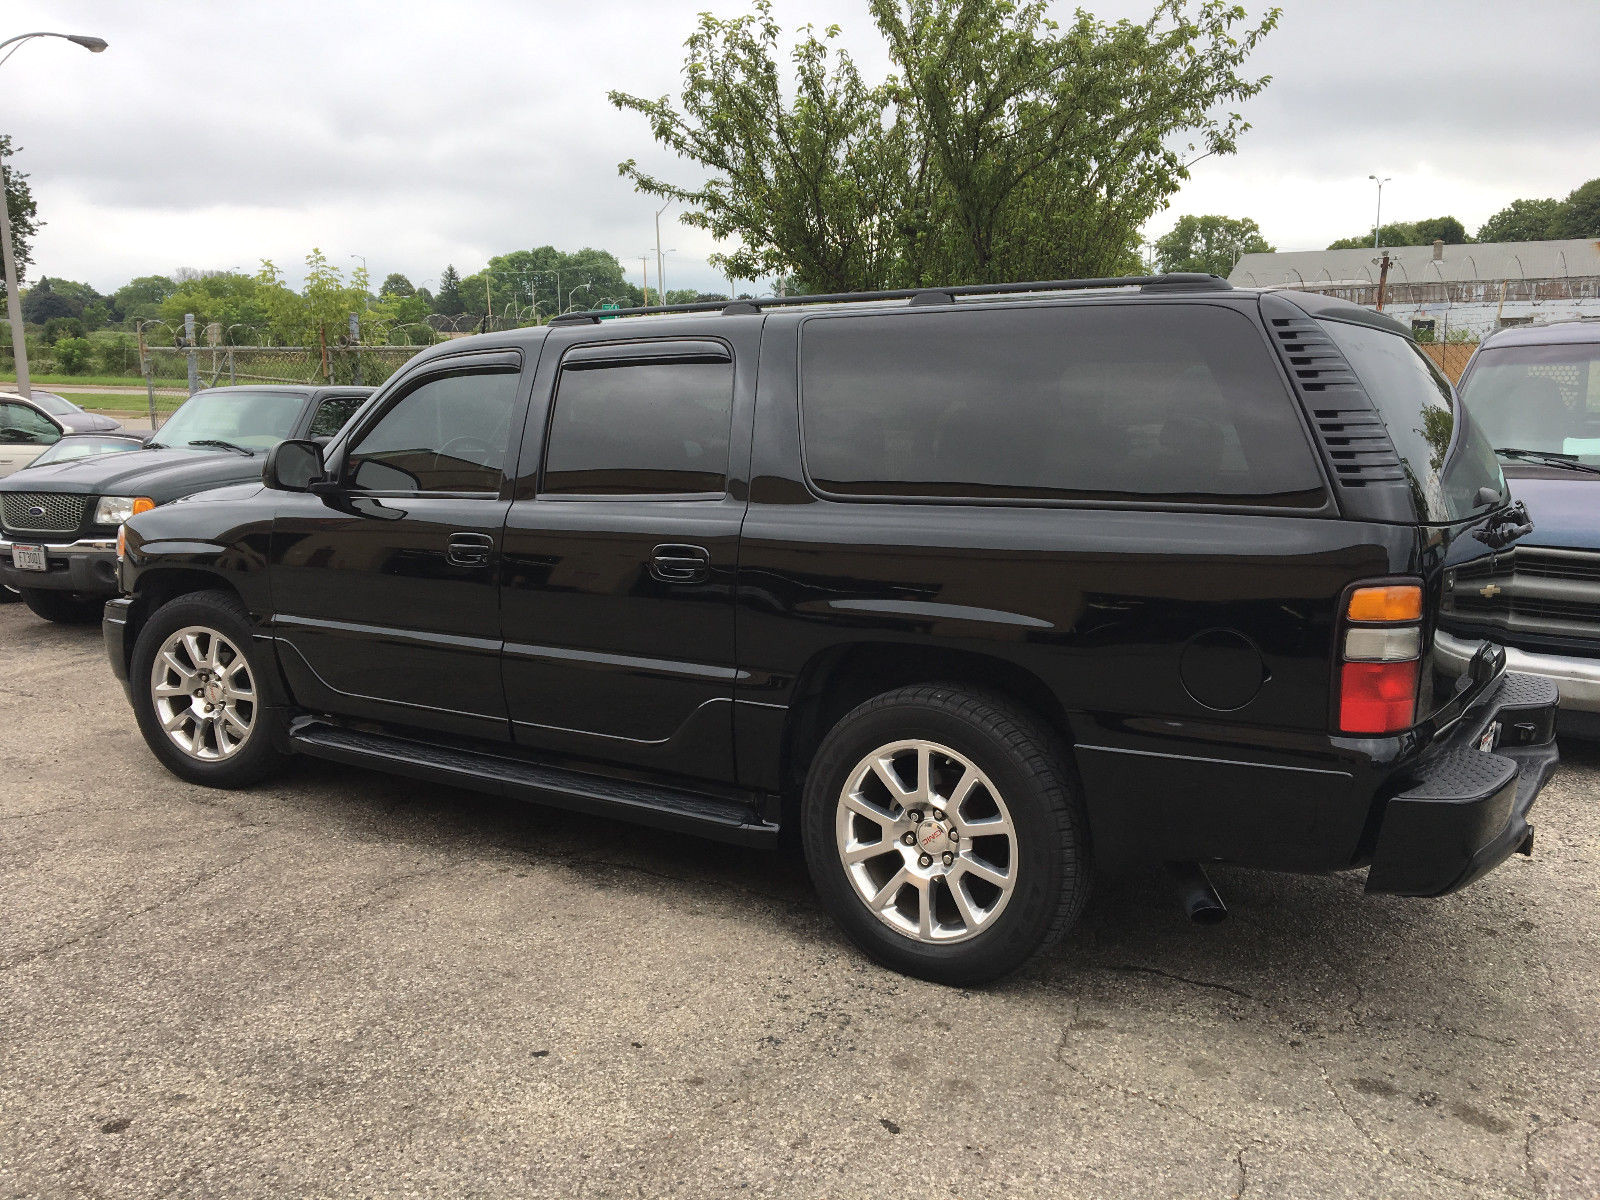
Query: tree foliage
{"x": 1210, "y": 244}
{"x": 448, "y": 302}
{"x": 1521, "y": 221}
{"x": 22, "y": 210}
{"x": 396, "y": 284}
{"x": 1410, "y": 233}
{"x": 1579, "y": 215}
{"x": 1002, "y": 147}
{"x": 547, "y": 280}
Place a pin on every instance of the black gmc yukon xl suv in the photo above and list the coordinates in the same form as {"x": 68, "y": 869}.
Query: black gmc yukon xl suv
{"x": 980, "y": 588}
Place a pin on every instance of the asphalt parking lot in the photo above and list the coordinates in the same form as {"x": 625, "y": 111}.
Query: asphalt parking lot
{"x": 343, "y": 984}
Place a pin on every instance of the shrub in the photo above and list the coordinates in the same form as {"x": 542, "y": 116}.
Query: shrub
{"x": 57, "y": 328}
{"x": 118, "y": 354}
{"x": 75, "y": 355}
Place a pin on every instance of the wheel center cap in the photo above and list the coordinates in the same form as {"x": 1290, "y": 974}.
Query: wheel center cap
{"x": 213, "y": 693}
{"x": 933, "y": 837}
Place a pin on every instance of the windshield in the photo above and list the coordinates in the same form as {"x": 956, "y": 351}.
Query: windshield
{"x": 251, "y": 420}
{"x": 1446, "y": 456}
{"x": 1539, "y": 398}
{"x": 69, "y": 448}
{"x": 54, "y": 404}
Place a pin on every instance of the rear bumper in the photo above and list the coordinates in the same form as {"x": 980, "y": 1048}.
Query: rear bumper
{"x": 1463, "y": 810}
{"x": 1577, "y": 679}
{"x": 87, "y": 566}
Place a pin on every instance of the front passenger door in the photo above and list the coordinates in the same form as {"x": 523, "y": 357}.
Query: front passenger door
{"x": 386, "y": 592}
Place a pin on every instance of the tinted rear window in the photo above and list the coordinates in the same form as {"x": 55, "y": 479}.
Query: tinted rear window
{"x": 1446, "y": 456}
{"x": 1539, "y": 398}
{"x": 1089, "y": 402}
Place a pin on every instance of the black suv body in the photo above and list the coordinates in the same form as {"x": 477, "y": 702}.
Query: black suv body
{"x": 58, "y": 523}
{"x": 981, "y": 590}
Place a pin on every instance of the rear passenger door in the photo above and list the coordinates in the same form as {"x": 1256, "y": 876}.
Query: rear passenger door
{"x": 620, "y": 548}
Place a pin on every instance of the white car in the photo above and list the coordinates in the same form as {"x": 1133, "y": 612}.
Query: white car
{"x": 26, "y": 431}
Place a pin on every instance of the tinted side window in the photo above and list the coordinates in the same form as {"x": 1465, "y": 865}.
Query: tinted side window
{"x": 654, "y": 428}
{"x": 20, "y": 423}
{"x": 331, "y": 415}
{"x": 449, "y": 434}
{"x": 1098, "y": 402}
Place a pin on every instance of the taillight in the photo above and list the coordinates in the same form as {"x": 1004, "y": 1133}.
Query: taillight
{"x": 1380, "y": 652}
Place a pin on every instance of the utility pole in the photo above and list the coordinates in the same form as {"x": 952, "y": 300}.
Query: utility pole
{"x": 488, "y": 301}
{"x": 644, "y": 265}
{"x": 1383, "y": 278}
{"x": 1377, "y": 220}
{"x": 661, "y": 267}
{"x": 19, "y": 344}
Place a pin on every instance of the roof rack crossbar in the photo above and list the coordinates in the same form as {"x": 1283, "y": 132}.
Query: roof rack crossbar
{"x": 928, "y": 295}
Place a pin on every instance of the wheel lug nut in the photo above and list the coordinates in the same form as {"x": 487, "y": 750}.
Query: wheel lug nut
{"x": 909, "y": 838}
{"x": 948, "y": 858}
{"x": 938, "y": 815}
{"x": 916, "y": 816}
{"x": 925, "y": 861}
{"x": 954, "y": 835}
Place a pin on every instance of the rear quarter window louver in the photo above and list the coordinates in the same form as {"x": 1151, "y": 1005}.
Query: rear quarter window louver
{"x": 1352, "y": 435}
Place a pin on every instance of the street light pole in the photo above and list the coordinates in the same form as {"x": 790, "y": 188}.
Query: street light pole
{"x": 661, "y": 270}
{"x": 1377, "y": 220}
{"x": 19, "y": 342}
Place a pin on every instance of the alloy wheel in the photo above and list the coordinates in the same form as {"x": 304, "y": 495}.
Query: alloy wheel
{"x": 204, "y": 694}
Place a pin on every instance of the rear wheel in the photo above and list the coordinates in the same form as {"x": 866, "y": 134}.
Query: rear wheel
{"x": 198, "y": 692}
{"x": 943, "y": 829}
{"x": 64, "y": 608}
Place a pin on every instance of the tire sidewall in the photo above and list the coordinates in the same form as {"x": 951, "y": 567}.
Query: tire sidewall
{"x": 61, "y": 608}
{"x": 259, "y": 755}
{"x": 1028, "y": 916}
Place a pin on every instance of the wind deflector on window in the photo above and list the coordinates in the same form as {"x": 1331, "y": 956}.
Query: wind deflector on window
{"x": 1351, "y": 434}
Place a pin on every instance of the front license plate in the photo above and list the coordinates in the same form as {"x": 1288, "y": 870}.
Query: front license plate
{"x": 1489, "y": 736}
{"x": 29, "y": 558}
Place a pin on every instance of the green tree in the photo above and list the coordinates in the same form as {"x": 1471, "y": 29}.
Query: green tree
{"x": 1521, "y": 221}
{"x": 1397, "y": 233}
{"x": 140, "y": 299}
{"x": 75, "y": 355}
{"x": 41, "y": 302}
{"x": 396, "y": 285}
{"x": 1446, "y": 229}
{"x": 448, "y": 302}
{"x": 545, "y": 278}
{"x": 1579, "y": 216}
{"x": 1209, "y": 244}
{"x": 1002, "y": 147}
{"x": 22, "y": 210}
{"x": 239, "y": 303}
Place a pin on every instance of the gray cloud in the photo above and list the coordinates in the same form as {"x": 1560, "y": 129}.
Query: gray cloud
{"x": 420, "y": 133}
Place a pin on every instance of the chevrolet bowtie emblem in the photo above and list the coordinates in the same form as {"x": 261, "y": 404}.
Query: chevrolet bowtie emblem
{"x": 1490, "y": 592}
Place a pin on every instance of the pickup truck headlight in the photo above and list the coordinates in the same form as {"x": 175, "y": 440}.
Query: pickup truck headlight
{"x": 114, "y": 510}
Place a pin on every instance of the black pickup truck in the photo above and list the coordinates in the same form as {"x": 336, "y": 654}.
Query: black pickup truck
{"x": 977, "y": 588}
{"x": 58, "y": 523}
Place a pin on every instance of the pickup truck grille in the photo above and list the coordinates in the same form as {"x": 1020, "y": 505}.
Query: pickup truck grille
{"x": 60, "y": 512}
{"x": 1530, "y": 590}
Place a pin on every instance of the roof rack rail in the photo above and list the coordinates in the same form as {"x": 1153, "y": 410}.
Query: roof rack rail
{"x": 1179, "y": 281}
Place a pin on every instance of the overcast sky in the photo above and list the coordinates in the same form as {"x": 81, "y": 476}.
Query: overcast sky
{"x": 211, "y": 135}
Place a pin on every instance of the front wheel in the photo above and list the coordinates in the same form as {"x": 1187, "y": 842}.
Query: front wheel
{"x": 199, "y": 693}
{"x": 943, "y": 828}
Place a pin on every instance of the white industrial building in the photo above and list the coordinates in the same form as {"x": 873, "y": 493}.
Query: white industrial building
{"x": 1476, "y": 288}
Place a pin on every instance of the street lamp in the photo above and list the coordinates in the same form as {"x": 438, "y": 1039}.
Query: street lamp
{"x": 19, "y": 344}
{"x": 661, "y": 273}
{"x": 1377, "y": 220}
{"x": 575, "y": 291}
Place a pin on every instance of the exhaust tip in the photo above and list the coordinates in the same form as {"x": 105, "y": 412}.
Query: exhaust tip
{"x": 1196, "y": 896}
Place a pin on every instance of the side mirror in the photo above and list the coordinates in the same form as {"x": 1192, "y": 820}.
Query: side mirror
{"x": 293, "y": 466}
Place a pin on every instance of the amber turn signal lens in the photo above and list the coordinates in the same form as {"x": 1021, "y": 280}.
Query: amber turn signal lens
{"x": 1395, "y": 602}
{"x": 143, "y": 504}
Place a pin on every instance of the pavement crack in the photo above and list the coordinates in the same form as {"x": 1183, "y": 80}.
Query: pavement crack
{"x": 1244, "y": 1174}
{"x": 1131, "y": 968}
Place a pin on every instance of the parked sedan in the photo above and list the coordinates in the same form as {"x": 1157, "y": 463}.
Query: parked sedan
{"x": 70, "y": 416}
{"x": 26, "y": 432}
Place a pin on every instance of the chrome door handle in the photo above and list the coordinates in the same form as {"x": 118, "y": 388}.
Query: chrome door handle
{"x": 680, "y": 564}
{"x": 469, "y": 549}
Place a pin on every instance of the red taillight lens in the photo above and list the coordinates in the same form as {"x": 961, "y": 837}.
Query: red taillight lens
{"x": 1377, "y": 697}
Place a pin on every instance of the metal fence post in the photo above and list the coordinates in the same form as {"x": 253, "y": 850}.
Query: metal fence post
{"x": 194, "y": 361}
{"x": 231, "y": 378}
{"x": 355, "y": 349}
{"x": 149, "y": 381}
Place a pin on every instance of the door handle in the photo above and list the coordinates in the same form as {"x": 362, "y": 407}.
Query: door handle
{"x": 680, "y": 564}
{"x": 468, "y": 549}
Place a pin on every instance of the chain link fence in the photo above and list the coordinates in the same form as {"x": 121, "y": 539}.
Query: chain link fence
{"x": 1450, "y": 357}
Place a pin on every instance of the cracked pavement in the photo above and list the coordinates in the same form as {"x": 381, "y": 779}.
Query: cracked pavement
{"x": 343, "y": 984}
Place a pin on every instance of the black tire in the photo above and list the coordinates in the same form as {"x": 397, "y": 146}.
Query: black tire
{"x": 9, "y": 594}
{"x": 1026, "y": 762}
{"x": 64, "y": 608}
{"x": 221, "y": 612}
